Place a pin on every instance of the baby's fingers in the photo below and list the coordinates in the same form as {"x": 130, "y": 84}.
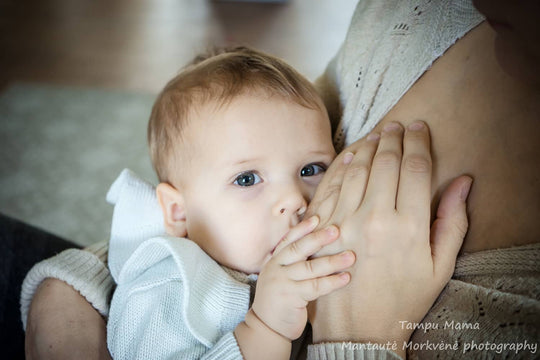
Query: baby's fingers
{"x": 319, "y": 267}
{"x": 299, "y": 231}
{"x": 308, "y": 245}
{"x": 315, "y": 288}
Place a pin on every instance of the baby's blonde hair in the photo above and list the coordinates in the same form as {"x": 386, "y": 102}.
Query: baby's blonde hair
{"x": 218, "y": 76}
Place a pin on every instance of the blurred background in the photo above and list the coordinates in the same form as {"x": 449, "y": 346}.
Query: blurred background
{"x": 78, "y": 79}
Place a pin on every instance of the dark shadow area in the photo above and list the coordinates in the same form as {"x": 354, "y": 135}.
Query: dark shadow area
{"x": 234, "y": 17}
{"x": 21, "y": 247}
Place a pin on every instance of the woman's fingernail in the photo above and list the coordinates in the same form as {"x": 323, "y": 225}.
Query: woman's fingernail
{"x": 344, "y": 277}
{"x": 392, "y": 126}
{"x": 347, "y": 255}
{"x": 314, "y": 220}
{"x": 348, "y": 158}
{"x": 465, "y": 190}
{"x": 415, "y": 126}
{"x": 373, "y": 136}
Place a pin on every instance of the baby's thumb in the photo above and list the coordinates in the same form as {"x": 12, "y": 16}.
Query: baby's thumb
{"x": 450, "y": 227}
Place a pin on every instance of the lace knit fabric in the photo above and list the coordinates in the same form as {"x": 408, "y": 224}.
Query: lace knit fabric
{"x": 490, "y": 309}
{"x": 390, "y": 44}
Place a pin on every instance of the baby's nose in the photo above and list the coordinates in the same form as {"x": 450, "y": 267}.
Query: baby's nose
{"x": 291, "y": 203}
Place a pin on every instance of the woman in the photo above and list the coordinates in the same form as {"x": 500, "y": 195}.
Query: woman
{"x": 483, "y": 122}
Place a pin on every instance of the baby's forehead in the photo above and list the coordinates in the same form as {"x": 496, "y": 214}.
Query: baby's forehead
{"x": 247, "y": 109}
{"x": 250, "y": 123}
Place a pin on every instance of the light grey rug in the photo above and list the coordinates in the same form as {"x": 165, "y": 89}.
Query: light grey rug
{"x": 61, "y": 149}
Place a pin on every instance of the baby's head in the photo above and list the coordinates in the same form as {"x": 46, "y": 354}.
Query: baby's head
{"x": 239, "y": 141}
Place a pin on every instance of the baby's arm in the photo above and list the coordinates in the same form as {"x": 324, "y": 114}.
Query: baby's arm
{"x": 285, "y": 286}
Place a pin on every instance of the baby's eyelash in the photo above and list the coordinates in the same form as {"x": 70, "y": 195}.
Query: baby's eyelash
{"x": 313, "y": 169}
{"x": 247, "y": 179}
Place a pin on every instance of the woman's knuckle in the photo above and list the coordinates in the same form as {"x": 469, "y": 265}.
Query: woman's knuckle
{"x": 357, "y": 170}
{"x": 374, "y": 225}
{"x": 387, "y": 159}
{"x": 417, "y": 136}
{"x": 417, "y": 163}
{"x": 332, "y": 190}
{"x": 460, "y": 228}
{"x": 409, "y": 225}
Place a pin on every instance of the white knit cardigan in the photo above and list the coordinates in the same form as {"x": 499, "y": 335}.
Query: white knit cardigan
{"x": 173, "y": 301}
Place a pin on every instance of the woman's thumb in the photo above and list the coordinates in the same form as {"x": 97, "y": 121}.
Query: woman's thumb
{"x": 450, "y": 227}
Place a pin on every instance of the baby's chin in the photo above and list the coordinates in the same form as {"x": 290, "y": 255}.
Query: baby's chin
{"x": 253, "y": 268}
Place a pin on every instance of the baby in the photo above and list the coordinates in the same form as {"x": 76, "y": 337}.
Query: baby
{"x": 239, "y": 141}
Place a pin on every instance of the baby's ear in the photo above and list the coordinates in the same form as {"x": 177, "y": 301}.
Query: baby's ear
{"x": 172, "y": 206}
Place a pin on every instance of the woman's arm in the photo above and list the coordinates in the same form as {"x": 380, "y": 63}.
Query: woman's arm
{"x": 62, "y": 324}
{"x": 63, "y": 300}
{"x": 383, "y": 211}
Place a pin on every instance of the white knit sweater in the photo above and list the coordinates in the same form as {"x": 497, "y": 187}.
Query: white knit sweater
{"x": 173, "y": 301}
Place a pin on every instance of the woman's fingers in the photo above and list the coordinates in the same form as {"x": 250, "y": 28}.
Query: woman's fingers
{"x": 414, "y": 192}
{"x": 327, "y": 194}
{"x": 450, "y": 227}
{"x": 384, "y": 178}
{"x": 356, "y": 178}
{"x": 319, "y": 267}
{"x": 306, "y": 246}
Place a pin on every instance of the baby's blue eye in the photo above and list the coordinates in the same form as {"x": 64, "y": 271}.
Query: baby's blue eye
{"x": 247, "y": 179}
{"x": 312, "y": 170}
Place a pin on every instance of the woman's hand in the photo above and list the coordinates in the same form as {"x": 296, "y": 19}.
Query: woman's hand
{"x": 380, "y": 199}
{"x": 63, "y": 325}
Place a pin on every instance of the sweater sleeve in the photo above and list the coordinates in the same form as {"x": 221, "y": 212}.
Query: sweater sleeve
{"x": 85, "y": 270}
{"x": 348, "y": 351}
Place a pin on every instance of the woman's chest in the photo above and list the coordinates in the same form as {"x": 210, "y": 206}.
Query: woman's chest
{"x": 485, "y": 124}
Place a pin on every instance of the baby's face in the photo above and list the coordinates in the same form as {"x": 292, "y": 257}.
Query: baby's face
{"x": 256, "y": 164}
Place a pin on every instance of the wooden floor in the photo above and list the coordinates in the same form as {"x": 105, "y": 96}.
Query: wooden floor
{"x": 139, "y": 44}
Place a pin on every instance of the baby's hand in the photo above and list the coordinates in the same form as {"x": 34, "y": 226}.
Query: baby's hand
{"x": 289, "y": 280}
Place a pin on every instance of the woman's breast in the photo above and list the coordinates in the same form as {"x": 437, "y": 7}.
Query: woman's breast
{"x": 485, "y": 124}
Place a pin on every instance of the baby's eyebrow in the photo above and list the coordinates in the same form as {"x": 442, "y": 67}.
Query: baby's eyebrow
{"x": 319, "y": 152}
{"x": 245, "y": 161}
